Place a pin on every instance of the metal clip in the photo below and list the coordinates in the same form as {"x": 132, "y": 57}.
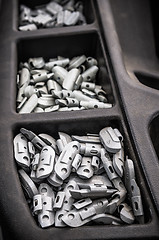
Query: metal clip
{"x": 24, "y": 76}
{"x": 54, "y": 180}
{"x": 53, "y": 8}
{"x": 88, "y": 85}
{"x": 82, "y": 97}
{"x": 90, "y": 61}
{"x": 85, "y": 170}
{"x": 96, "y": 163}
{"x": 87, "y": 139}
{"x": 133, "y": 190}
{"x": 76, "y": 62}
{"x": 42, "y": 77}
{"x": 46, "y": 162}
{"x": 60, "y": 19}
{"x": 30, "y": 104}
{"x": 48, "y": 140}
{"x": 58, "y": 66}
{"x": 72, "y": 102}
{"x": 29, "y": 91}
{"x": 94, "y": 104}
{"x": 82, "y": 203}
{"x": 76, "y": 162}
{"x": 27, "y": 184}
{"x": 63, "y": 141}
{"x": 126, "y": 213}
{"x": 59, "y": 200}
{"x": 90, "y": 74}
{"x": 21, "y": 151}
{"x": 37, "y": 142}
{"x": 118, "y": 162}
{"x": 92, "y": 191}
{"x": 89, "y": 93}
{"x": 20, "y": 95}
{"x": 90, "y": 149}
{"x": 31, "y": 150}
{"x": 106, "y": 219}
{"x": 44, "y": 102}
{"x": 78, "y": 218}
{"x": 72, "y": 19}
{"x": 67, "y": 204}
{"x": 53, "y": 86}
{"x": 64, "y": 164}
{"x": 101, "y": 94}
{"x": 52, "y": 108}
{"x": 46, "y": 217}
{"x": 70, "y": 79}
{"x": 67, "y": 93}
{"x": 38, "y": 110}
{"x": 61, "y": 102}
{"x": 35, "y": 162}
{"x": 108, "y": 166}
{"x": 36, "y": 62}
{"x": 110, "y": 140}
{"x": 60, "y": 73}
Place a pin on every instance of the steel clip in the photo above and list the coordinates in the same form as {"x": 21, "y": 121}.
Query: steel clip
{"x": 76, "y": 62}
{"x": 63, "y": 141}
{"x": 70, "y": 79}
{"x": 110, "y": 140}
{"x": 78, "y": 218}
{"x": 21, "y": 151}
{"x": 133, "y": 190}
{"x": 46, "y": 162}
{"x": 46, "y": 217}
{"x": 64, "y": 164}
{"x": 87, "y": 139}
{"x": 118, "y": 162}
{"x": 126, "y": 213}
{"x": 30, "y": 105}
{"x": 90, "y": 149}
{"x": 27, "y": 184}
{"x": 36, "y": 62}
{"x": 85, "y": 170}
{"x": 90, "y": 74}
{"x": 37, "y": 142}
{"x": 107, "y": 164}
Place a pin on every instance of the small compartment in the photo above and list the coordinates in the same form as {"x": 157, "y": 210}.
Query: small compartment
{"x": 88, "y": 10}
{"x": 148, "y": 80}
{"x": 154, "y": 133}
{"x": 69, "y": 46}
{"x": 82, "y": 127}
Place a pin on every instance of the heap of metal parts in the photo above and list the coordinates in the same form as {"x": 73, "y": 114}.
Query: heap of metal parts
{"x": 78, "y": 180}
{"x": 60, "y": 84}
{"x": 53, "y": 14}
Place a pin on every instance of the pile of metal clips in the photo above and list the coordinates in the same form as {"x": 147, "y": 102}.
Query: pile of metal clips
{"x": 60, "y": 84}
{"x": 77, "y": 180}
{"x": 53, "y": 14}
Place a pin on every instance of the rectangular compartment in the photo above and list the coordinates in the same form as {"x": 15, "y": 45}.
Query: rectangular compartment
{"x": 81, "y": 127}
{"x": 88, "y": 9}
{"x": 69, "y": 46}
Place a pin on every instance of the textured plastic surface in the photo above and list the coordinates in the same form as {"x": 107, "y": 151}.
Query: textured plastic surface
{"x": 135, "y": 105}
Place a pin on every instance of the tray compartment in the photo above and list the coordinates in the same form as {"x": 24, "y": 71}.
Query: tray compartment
{"x": 89, "y": 44}
{"x": 79, "y": 127}
{"x": 88, "y": 9}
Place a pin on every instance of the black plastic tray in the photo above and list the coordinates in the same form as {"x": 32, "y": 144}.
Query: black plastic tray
{"x": 130, "y": 114}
